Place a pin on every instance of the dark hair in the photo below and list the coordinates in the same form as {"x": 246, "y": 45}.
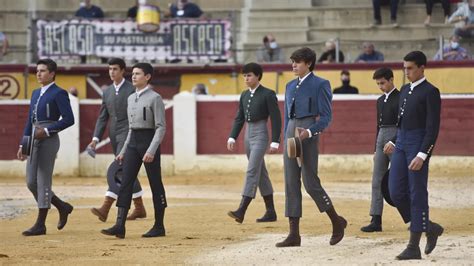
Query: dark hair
{"x": 265, "y": 39}
{"x": 383, "y": 72}
{"x": 50, "y": 65}
{"x": 117, "y": 61}
{"x": 146, "y": 67}
{"x": 306, "y": 55}
{"x": 345, "y": 72}
{"x": 254, "y": 68}
{"x": 418, "y": 57}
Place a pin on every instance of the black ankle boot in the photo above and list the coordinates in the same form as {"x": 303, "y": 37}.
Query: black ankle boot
{"x": 39, "y": 228}
{"x": 374, "y": 226}
{"x": 270, "y": 214}
{"x": 434, "y": 231}
{"x": 64, "y": 210}
{"x": 239, "y": 214}
{"x": 158, "y": 228}
{"x": 412, "y": 252}
{"x": 293, "y": 239}
{"x": 118, "y": 229}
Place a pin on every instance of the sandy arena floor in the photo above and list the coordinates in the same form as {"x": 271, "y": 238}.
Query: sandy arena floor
{"x": 200, "y": 232}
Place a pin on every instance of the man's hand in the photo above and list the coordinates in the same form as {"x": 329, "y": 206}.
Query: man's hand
{"x": 20, "y": 156}
{"x": 416, "y": 164}
{"x": 388, "y": 148}
{"x": 302, "y": 133}
{"x": 273, "y": 150}
{"x": 148, "y": 158}
{"x": 230, "y": 146}
{"x": 93, "y": 144}
{"x": 40, "y": 133}
{"x": 119, "y": 158}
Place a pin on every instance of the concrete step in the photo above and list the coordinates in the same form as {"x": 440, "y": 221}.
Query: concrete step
{"x": 282, "y": 35}
{"x": 393, "y": 51}
{"x": 334, "y": 16}
{"x": 16, "y": 21}
{"x": 356, "y": 2}
{"x": 278, "y": 4}
{"x": 256, "y": 22}
{"x": 16, "y": 38}
{"x": 388, "y": 33}
{"x": 341, "y": 2}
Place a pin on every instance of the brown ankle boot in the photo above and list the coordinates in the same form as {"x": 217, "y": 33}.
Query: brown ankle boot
{"x": 103, "y": 211}
{"x": 338, "y": 226}
{"x": 139, "y": 211}
{"x": 293, "y": 239}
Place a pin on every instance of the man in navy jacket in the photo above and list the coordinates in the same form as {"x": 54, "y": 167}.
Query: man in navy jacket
{"x": 308, "y": 110}
{"x": 49, "y": 113}
{"x": 418, "y": 126}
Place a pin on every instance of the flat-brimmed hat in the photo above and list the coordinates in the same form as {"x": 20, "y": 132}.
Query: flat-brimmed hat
{"x": 385, "y": 189}
{"x": 26, "y": 145}
{"x": 295, "y": 148}
{"x": 115, "y": 171}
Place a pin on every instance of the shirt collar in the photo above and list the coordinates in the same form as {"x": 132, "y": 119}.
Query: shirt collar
{"x": 139, "y": 93}
{"x": 44, "y": 88}
{"x": 253, "y": 90}
{"x": 416, "y": 83}
{"x": 300, "y": 80}
{"x": 387, "y": 94}
{"x": 117, "y": 87}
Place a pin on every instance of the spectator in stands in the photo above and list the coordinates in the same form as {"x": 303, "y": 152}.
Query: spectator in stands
{"x": 429, "y": 8}
{"x": 200, "y": 89}
{"x": 185, "y": 9}
{"x": 3, "y": 45}
{"x": 88, "y": 10}
{"x": 132, "y": 12}
{"x": 464, "y": 19}
{"x": 346, "y": 88}
{"x": 453, "y": 51}
{"x": 393, "y": 12}
{"x": 369, "y": 54}
{"x": 269, "y": 51}
{"x": 329, "y": 55}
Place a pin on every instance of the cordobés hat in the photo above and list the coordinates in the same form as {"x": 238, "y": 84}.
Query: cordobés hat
{"x": 295, "y": 148}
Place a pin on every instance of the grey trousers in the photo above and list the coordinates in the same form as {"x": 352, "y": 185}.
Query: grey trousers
{"x": 39, "y": 170}
{"x": 308, "y": 172}
{"x": 256, "y": 144}
{"x": 381, "y": 162}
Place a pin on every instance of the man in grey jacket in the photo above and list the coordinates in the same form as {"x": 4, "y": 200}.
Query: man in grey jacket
{"x": 147, "y": 127}
{"x": 114, "y": 107}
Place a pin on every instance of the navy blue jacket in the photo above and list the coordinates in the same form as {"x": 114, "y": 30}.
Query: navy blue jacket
{"x": 313, "y": 98}
{"x": 420, "y": 109}
{"x": 52, "y": 105}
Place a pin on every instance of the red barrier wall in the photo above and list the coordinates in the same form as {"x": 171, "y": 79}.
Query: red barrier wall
{"x": 12, "y": 124}
{"x": 352, "y": 130}
{"x": 13, "y": 118}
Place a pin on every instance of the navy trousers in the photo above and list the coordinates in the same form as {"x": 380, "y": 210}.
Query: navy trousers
{"x": 409, "y": 189}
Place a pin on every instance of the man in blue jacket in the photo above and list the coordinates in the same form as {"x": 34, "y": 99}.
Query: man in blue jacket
{"x": 48, "y": 104}
{"x": 308, "y": 110}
